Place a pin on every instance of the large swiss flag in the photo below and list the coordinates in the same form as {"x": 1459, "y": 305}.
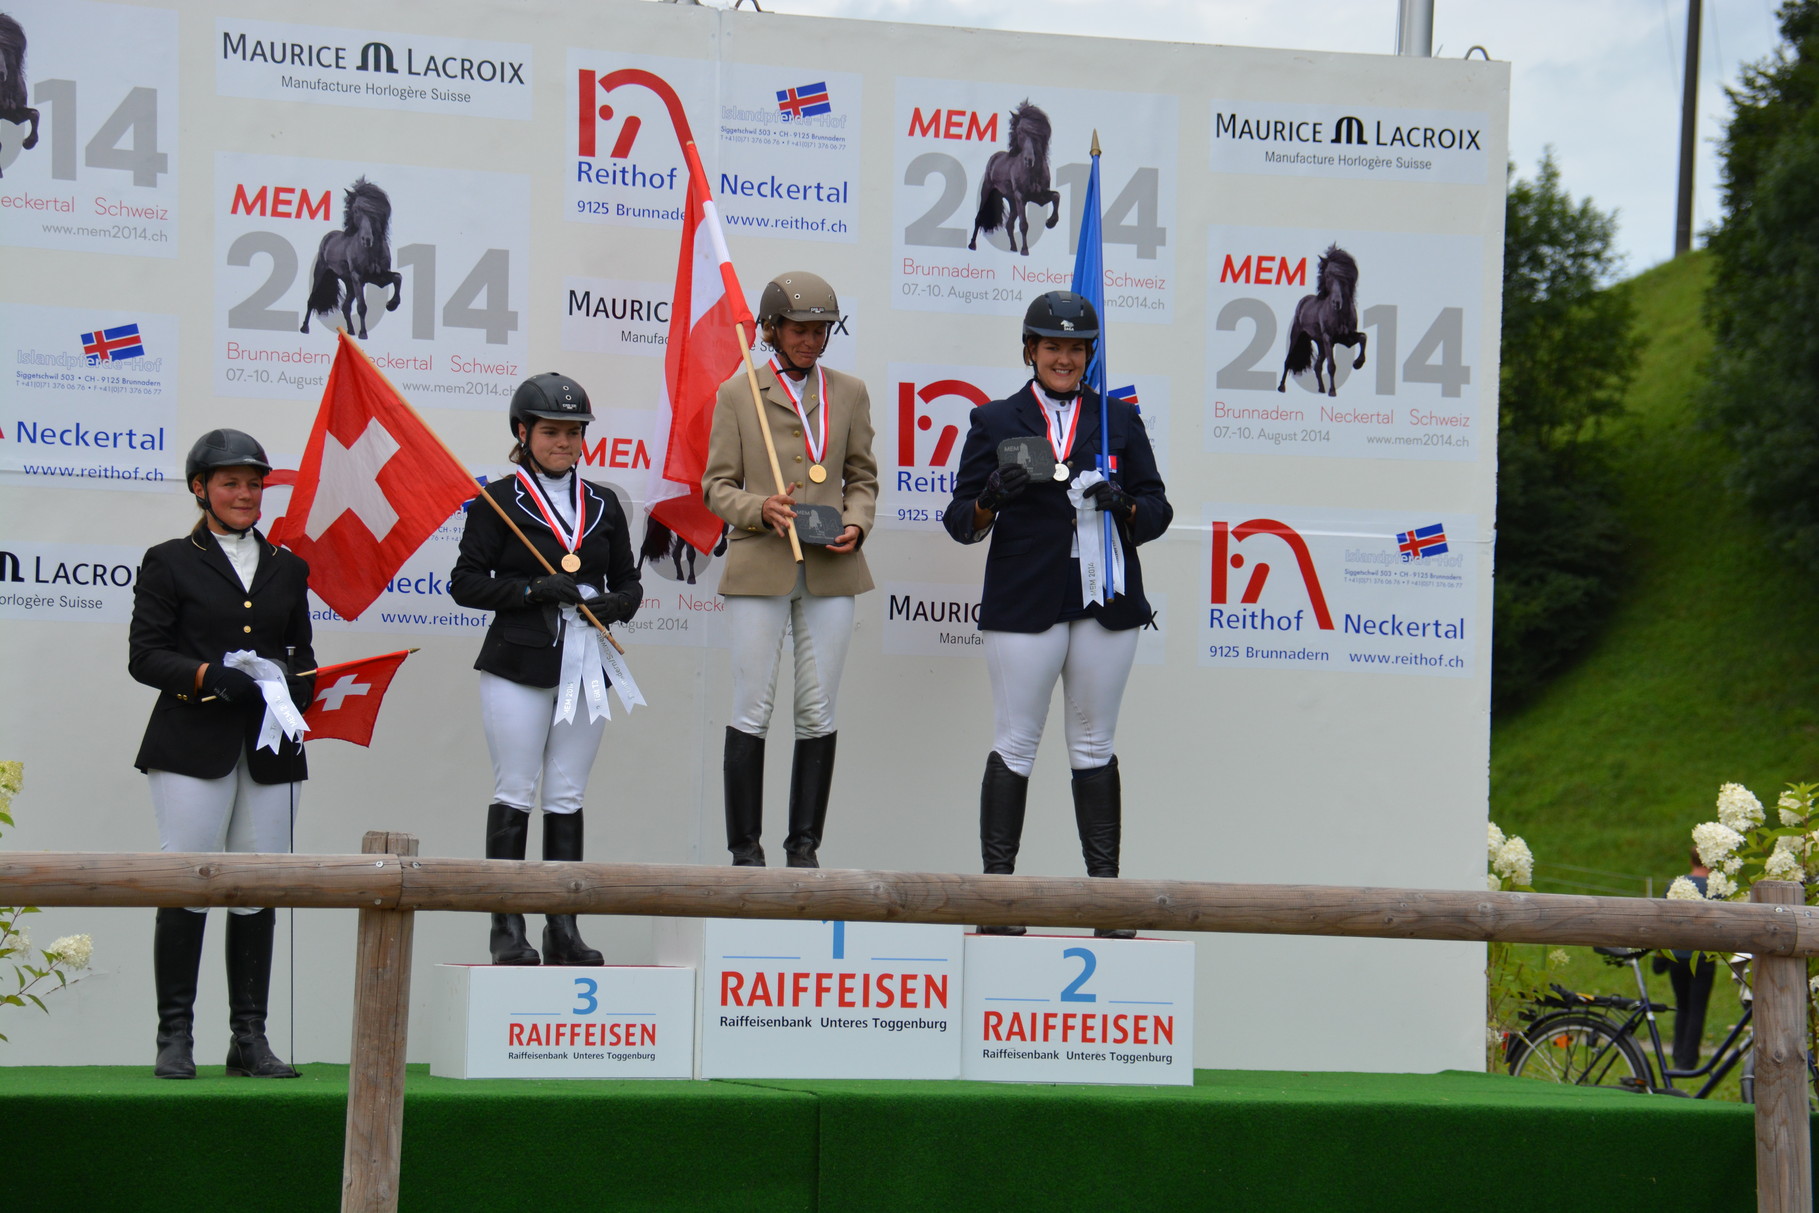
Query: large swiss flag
{"x": 375, "y": 483}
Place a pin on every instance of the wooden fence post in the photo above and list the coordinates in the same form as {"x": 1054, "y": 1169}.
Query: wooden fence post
{"x": 375, "y": 1073}
{"x": 1784, "y": 1163}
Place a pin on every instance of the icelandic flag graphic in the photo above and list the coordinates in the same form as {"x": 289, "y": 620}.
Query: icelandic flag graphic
{"x": 111, "y": 345}
{"x": 804, "y": 101}
{"x": 1421, "y": 542}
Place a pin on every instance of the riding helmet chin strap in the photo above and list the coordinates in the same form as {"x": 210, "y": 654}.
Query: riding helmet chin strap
{"x": 209, "y": 509}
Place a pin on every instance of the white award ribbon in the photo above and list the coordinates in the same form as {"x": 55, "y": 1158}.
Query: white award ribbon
{"x": 815, "y": 453}
{"x": 282, "y": 719}
{"x": 1097, "y": 584}
{"x": 570, "y": 542}
{"x": 582, "y": 676}
{"x": 623, "y": 684}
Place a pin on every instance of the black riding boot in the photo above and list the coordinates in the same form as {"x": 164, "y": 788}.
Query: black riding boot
{"x": 176, "y": 955}
{"x": 744, "y": 771}
{"x": 506, "y": 828}
{"x": 249, "y": 982}
{"x": 561, "y": 940}
{"x": 1099, "y": 815}
{"x": 1003, "y": 795}
{"x": 811, "y": 778}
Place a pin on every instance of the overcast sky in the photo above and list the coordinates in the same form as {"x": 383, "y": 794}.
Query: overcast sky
{"x": 1597, "y": 79}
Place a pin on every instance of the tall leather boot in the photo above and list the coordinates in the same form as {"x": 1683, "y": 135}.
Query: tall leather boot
{"x": 249, "y": 982}
{"x": 506, "y": 829}
{"x": 1003, "y": 794}
{"x": 1099, "y": 816}
{"x": 743, "y": 767}
{"x": 561, "y": 940}
{"x": 176, "y": 955}
{"x": 810, "y": 780}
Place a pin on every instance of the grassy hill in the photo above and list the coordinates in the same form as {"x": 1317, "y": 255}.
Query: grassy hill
{"x": 1709, "y": 668}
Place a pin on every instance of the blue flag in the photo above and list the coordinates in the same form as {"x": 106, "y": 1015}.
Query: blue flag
{"x": 1089, "y": 283}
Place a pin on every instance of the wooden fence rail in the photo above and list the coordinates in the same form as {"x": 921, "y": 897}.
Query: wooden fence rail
{"x": 390, "y": 882}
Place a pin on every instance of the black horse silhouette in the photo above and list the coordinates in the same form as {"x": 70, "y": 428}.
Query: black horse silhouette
{"x": 12, "y": 81}
{"x": 661, "y": 543}
{"x": 1016, "y": 178}
{"x": 1326, "y": 318}
{"x": 359, "y": 253}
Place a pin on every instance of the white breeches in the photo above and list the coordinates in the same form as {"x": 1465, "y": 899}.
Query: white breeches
{"x": 1093, "y": 665}
{"x": 758, "y": 626}
{"x": 526, "y": 746}
{"x": 231, "y": 813}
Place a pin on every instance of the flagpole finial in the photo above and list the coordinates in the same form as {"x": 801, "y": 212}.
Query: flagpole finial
{"x": 1095, "y": 141}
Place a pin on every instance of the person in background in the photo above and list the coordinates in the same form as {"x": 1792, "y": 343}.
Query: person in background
{"x": 1690, "y": 973}
{"x": 540, "y": 655}
{"x": 221, "y": 589}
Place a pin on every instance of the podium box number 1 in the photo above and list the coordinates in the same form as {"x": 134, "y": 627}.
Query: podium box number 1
{"x": 1071, "y": 1008}
{"x": 829, "y": 999}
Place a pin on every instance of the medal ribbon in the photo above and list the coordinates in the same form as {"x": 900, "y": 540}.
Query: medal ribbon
{"x": 1054, "y": 439}
{"x": 568, "y": 541}
{"x": 815, "y": 453}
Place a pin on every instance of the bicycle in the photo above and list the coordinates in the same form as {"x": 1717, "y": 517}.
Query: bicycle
{"x": 1591, "y": 1040}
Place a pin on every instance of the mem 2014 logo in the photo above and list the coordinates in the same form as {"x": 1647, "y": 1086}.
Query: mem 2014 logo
{"x": 1267, "y": 539}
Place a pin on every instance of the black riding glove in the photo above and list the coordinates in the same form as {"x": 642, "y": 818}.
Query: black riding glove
{"x": 1004, "y": 483}
{"x": 1109, "y": 497}
{"x": 612, "y": 608}
{"x": 231, "y": 686}
{"x": 557, "y": 587}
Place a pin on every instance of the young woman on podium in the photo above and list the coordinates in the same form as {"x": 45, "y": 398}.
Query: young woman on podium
{"x": 221, "y": 618}
{"x": 542, "y": 682}
{"x": 826, "y": 490}
{"x": 1028, "y": 481}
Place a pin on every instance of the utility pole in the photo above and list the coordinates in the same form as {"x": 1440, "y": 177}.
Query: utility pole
{"x": 1415, "y": 28}
{"x": 1689, "y": 109}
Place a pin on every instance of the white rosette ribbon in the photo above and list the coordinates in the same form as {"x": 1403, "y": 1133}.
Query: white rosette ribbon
{"x": 583, "y": 675}
{"x": 1097, "y": 584}
{"x": 282, "y": 719}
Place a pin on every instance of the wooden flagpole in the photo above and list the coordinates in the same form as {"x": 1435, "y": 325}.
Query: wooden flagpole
{"x": 770, "y": 446}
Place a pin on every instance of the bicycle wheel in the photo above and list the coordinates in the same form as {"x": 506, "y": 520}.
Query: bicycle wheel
{"x": 1583, "y": 1050}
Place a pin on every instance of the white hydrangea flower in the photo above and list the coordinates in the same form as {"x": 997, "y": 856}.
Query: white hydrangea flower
{"x": 1793, "y": 844}
{"x": 16, "y": 939}
{"x": 1715, "y": 841}
{"x": 1493, "y": 882}
{"x": 1792, "y": 809}
{"x": 1515, "y": 861}
{"x": 1683, "y": 889}
{"x": 1720, "y": 887}
{"x": 1738, "y": 808}
{"x": 74, "y": 949}
{"x": 1558, "y": 959}
{"x": 1813, "y": 984}
{"x": 1782, "y": 865}
{"x": 1731, "y": 866}
{"x": 1496, "y": 841}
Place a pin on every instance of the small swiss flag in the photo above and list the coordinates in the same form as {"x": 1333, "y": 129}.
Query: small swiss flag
{"x": 347, "y": 697}
{"x": 375, "y": 483}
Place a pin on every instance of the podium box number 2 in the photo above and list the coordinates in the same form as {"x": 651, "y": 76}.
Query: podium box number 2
{"x": 504, "y": 1021}
{"x": 1072, "y": 1008}
{"x": 807, "y": 999}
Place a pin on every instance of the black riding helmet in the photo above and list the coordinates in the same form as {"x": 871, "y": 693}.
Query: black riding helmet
{"x": 552, "y": 397}
{"x": 1061, "y": 314}
{"x": 222, "y": 449}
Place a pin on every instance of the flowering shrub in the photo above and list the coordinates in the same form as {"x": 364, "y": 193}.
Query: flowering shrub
{"x": 1510, "y": 981}
{"x": 1742, "y": 847}
{"x": 64, "y": 956}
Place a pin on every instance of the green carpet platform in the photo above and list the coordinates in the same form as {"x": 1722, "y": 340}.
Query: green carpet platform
{"x": 116, "y": 1139}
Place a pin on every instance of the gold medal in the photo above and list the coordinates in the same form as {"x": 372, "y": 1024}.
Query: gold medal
{"x": 817, "y": 473}
{"x": 571, "y": 563}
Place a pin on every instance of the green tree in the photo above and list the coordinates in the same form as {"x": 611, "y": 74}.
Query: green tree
{"x": 1762, "y": 390}
{"x": 1569, "y": 350}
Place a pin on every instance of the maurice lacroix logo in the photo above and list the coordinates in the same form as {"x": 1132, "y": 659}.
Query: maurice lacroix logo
{"x": 357, "y": 67}
{"x": 1348, "y": 129}
{"x": 1354, "y": 141}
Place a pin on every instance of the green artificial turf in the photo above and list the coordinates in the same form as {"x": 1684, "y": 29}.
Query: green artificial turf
{"x": 118, "y": 1139}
